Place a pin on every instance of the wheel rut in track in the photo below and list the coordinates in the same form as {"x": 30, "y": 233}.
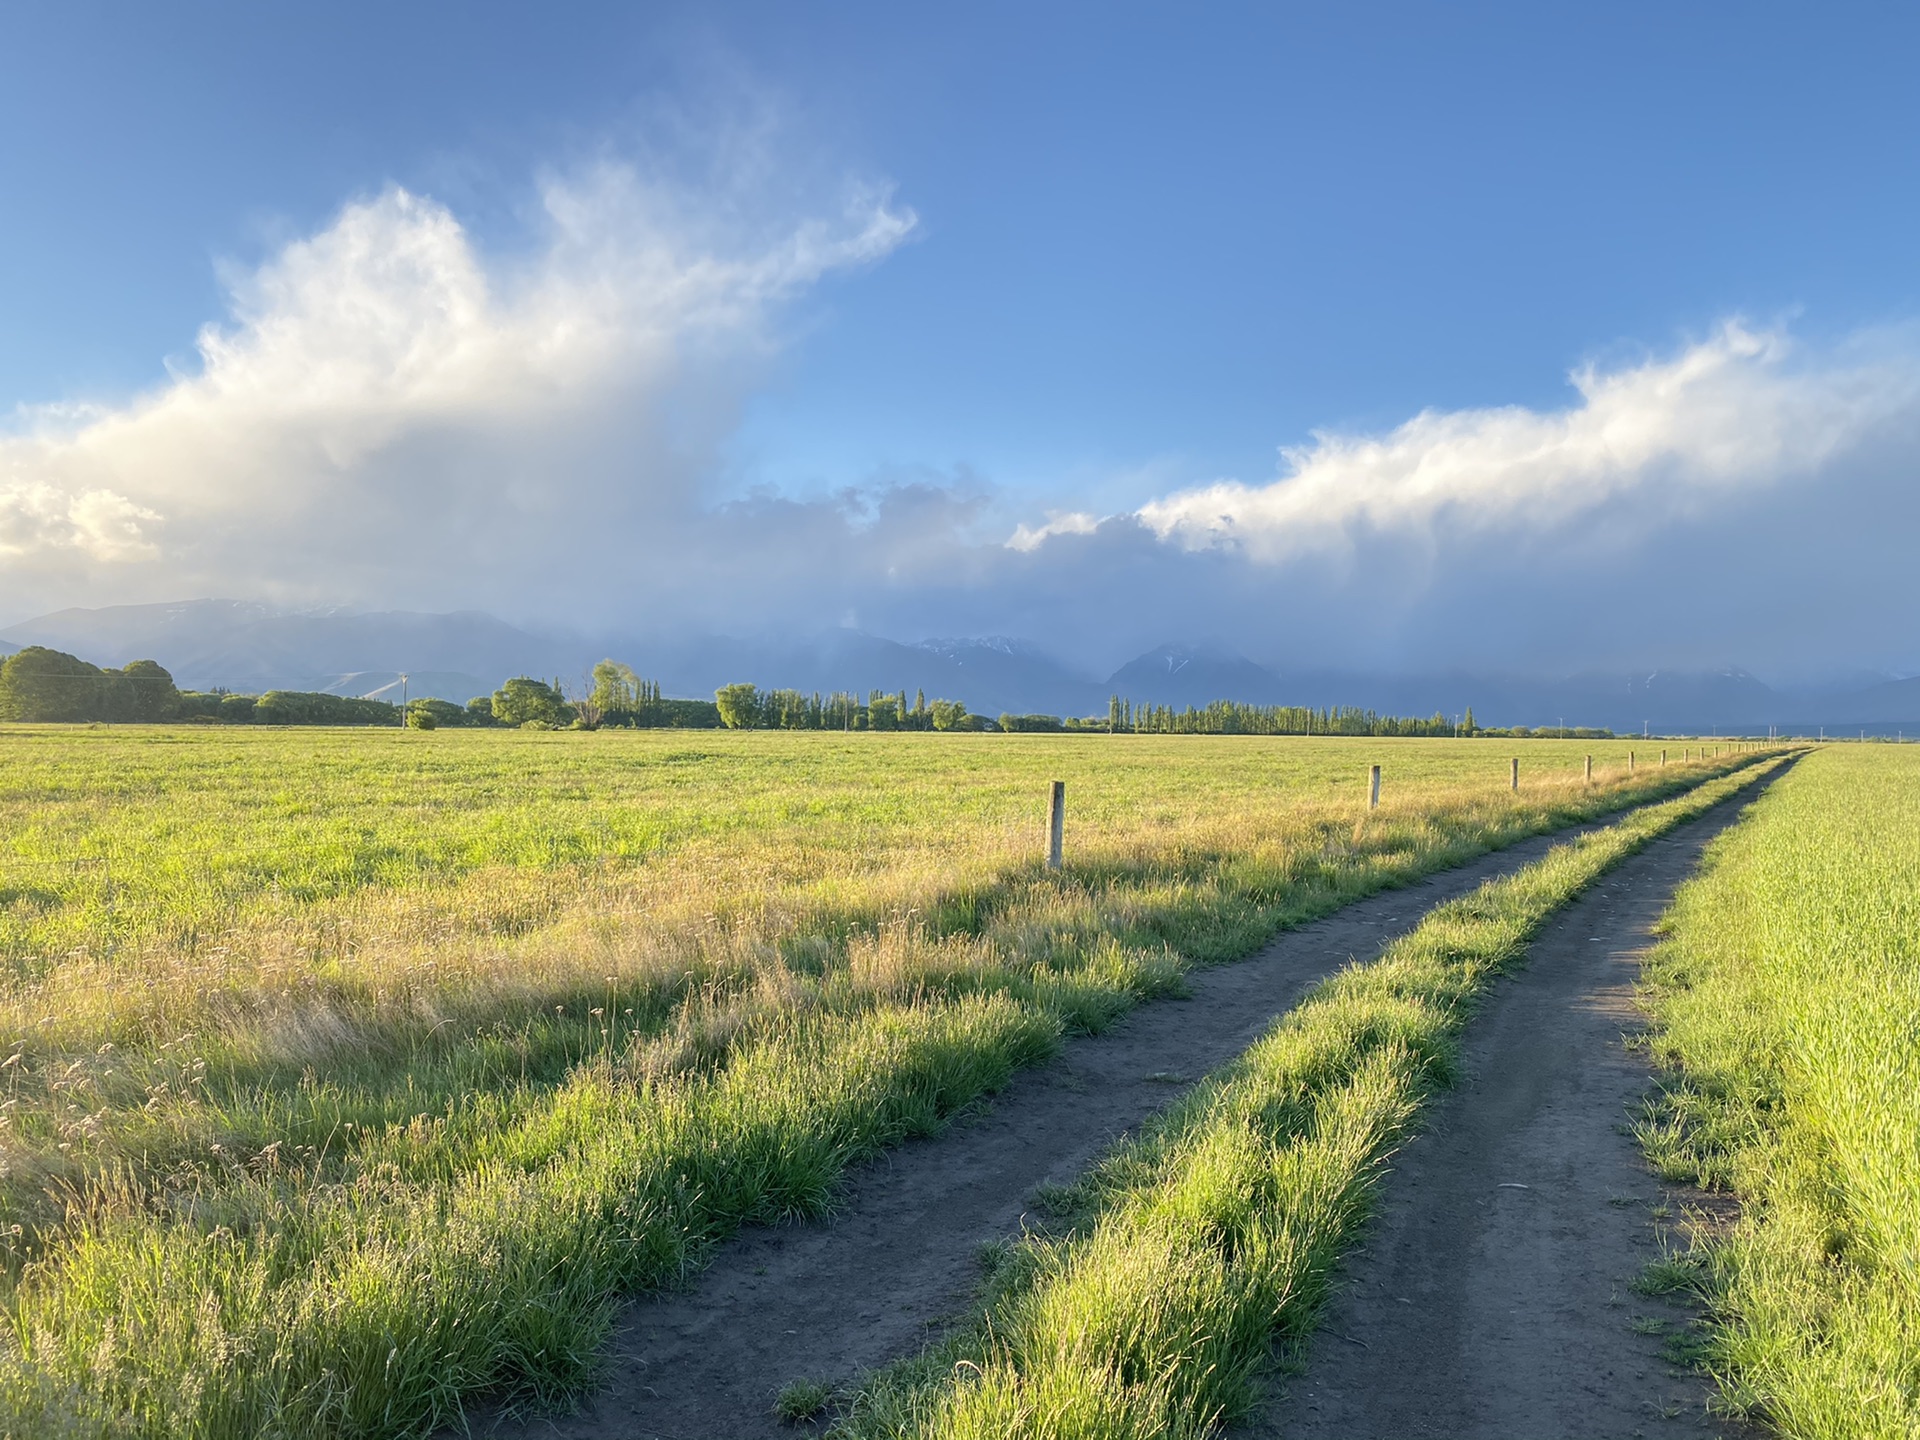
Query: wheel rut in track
{"x": 829, "y": 1301}
{"x": 1492, "y": 1294}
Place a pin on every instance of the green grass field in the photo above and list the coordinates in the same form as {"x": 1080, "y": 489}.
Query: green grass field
{"x": 1788, "y": 1005}
{"x": 353, "y": 1074}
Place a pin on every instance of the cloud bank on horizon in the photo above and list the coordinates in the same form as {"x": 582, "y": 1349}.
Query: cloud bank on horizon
{"x": 391, "y": 417}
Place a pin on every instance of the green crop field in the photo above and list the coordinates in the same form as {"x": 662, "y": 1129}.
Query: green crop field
{"x": 1788, "y": 1000}
{"x": 352, "y": 1074}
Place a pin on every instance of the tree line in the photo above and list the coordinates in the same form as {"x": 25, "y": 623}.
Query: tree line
{"x": 747, "y": 707}
{"x": 615, "y": 696}
{"x": 41, "y": 684}
{"x": 1230, "y": 717}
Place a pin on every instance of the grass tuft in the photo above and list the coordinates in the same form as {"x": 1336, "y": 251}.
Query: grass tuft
{"x": 802, "y": 1400}
{"x": 1669, "y": 1275}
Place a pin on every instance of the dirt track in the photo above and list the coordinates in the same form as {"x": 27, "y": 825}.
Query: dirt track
{"x": 1492, "y": 1295}
{"x": 830, "y": 1301}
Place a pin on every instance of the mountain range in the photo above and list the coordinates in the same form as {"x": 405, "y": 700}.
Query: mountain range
{"x": 243, "y": 646}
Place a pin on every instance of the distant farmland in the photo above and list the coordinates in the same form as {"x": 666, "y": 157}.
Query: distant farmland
{"x": 352, "y": 1073}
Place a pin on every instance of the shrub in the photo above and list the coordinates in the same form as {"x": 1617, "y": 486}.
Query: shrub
{"x": 1048, "y": 724}
{"x": 438, "y": 712}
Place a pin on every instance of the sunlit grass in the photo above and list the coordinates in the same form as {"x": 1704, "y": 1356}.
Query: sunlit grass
{"x": 1194, "y": 1246}
{"x": 1788, "y": 1004}
{"x": 364, "y": 1069}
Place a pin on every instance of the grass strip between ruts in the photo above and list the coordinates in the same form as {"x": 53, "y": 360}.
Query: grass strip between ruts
{"x": 1193, "y": 1246}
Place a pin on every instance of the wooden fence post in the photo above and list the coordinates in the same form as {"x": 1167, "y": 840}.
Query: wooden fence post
{"x": 1629, "y": 762}
{"x": 1513, "y": 780}
{"x": 1589, "y": 769}
{"x": 1373, "y": 788}
{"x": 1057, "y": 825}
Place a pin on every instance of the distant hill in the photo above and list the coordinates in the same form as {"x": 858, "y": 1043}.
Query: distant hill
{"x": 115, "y": 634}
{"x": 1016, "y": 675}
{"x": 250, "y": 647}
{"x": 1712, "y": 700}
{"x": 1655, "y": 700}
{"x": 245, "y": 646}
{"x": 1893, "y": 703}
{"x": 1673, "y": 702}
{"x": 988, "y": 675}
{"x": 393, "y": 687}
{"x": 1658, "y": 700}
{"x": 1183, "y": 675}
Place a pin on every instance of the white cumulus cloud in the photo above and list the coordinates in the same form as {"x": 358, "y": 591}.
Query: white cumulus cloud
{"x": 387, "y": 406}
{"x": 36, "y": 517}
{"x": 1746, "y": 499}
{"x": 1060, "y": 522}
{"x": 1647, "y": 444}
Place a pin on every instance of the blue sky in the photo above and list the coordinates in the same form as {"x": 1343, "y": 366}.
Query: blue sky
{"x": 1147, "y": 249}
